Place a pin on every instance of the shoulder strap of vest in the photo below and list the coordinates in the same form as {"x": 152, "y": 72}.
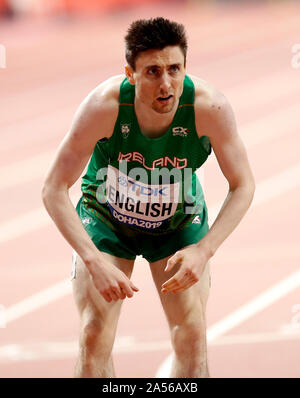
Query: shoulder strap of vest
{"x": 188, "y": 94}
{"x": 126, "y": 93}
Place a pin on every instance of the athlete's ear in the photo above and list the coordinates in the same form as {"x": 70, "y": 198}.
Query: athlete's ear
{"x": 129, "y": 74}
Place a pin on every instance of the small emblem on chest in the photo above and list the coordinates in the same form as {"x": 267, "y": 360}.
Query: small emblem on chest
{"x": 125, "y": 129}
{"x": 182, "y": 131}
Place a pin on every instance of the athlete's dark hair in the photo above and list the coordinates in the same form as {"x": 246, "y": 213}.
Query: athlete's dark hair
{"x": 154, "y": 33}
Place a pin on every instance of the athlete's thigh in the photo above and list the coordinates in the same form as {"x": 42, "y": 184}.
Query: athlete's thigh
{"x": 89, "y": 301}
{"x": 185, "y": 306}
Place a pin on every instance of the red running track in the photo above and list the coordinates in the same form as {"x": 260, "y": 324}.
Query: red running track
{"x": 245, "y": 51}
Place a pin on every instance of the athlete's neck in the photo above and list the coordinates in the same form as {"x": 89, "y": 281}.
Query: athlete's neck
{"x": 152, "y": 123}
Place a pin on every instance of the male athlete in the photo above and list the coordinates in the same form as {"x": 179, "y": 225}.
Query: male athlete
{"x": 131, "y": 127}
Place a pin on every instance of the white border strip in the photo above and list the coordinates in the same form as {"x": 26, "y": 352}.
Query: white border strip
{"x": 53, "y": 350}
{"x": 38, "y": 300}
{"x": 243, "y": 313}
{"x": 38, "y": 218}
{"x": 26, "y": 223}
{"x": 266, "y": 190}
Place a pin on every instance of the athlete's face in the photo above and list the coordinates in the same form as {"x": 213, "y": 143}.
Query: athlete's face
{"x": 158, "y": 78}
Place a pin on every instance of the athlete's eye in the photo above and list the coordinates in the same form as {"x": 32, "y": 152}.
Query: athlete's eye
{"x": 152, "y": 71}
{"x": 174, "y": 68}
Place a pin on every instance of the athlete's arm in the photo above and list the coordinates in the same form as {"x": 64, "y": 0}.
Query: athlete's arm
{"x": 231, "y": 155}
{"x": 94, "y": 120}
{"x": 215, "y": 119}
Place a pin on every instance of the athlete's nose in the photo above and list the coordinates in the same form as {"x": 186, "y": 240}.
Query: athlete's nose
{"x": 165, "y": 84}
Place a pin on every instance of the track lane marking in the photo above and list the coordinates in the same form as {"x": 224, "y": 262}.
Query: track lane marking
{"x": 53, "y": 350}
{"x": 241, "y": 314}
{"x": 265, "y": 190}
{"x": 38, "y": 300}
{"x": 268, "y": 189}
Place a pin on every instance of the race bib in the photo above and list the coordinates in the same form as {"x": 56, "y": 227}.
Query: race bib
{"x": 135, "y": 203}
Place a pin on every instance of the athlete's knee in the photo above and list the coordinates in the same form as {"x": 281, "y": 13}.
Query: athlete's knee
{"x": 96, "y": 338}
{"x": 188, "y": 339}
{"x": 90, "y": 333}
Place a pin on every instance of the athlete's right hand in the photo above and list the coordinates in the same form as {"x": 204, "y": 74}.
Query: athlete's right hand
{"x": 111, "y": 283}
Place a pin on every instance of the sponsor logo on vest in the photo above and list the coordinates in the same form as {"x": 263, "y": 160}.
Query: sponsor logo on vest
{"x": 125, "y": 129}
{"x": 162, "y": 162}
{"x": 87, "y": 220}
{"x": 135, "y": 203}
{"x": 182, "y": 131}
{"x": 196, "y": 220}
{"x": 139, "y": 189}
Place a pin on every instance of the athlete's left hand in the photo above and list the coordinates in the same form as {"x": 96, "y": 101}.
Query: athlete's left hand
{"x": 191, "y": 261}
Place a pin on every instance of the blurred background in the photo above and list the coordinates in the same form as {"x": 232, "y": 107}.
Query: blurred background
{"x": 52, "y": 54}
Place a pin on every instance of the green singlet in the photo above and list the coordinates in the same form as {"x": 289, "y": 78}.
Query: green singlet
{"x": 140, "y": 195}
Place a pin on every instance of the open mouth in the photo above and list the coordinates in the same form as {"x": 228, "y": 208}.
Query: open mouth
{"x": 164, "y": 99}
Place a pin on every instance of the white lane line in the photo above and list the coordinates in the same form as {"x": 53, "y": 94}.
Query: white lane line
{"x": 254, "y": 306}
{"x": 266, "y": 190}
{"x": 26, "y": 223}
{"x": 63, "y": 350}
{"x": 253, "y": 338}
{"x": 39, "y": 218}
{"x": 281, "y": 182}
{"x": 243, "y": 313}
{"x": 26, "y": 170}
{"x": 38, "y": 300}
{"x": 277, "y": 185}
{"x": 271, "y": 126}
{"x": 259, "y": 93}
{"x": 53, "y": 350}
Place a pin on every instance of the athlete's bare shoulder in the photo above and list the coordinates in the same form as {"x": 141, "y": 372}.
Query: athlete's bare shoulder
{"x": 106, "y": 93}
{"x": 211, "y": 108}
{"x": 207, "y": 97}
{"x": 96, "y": 115}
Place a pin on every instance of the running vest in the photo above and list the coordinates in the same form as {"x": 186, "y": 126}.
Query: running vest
{"x": 148, "y": 184}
